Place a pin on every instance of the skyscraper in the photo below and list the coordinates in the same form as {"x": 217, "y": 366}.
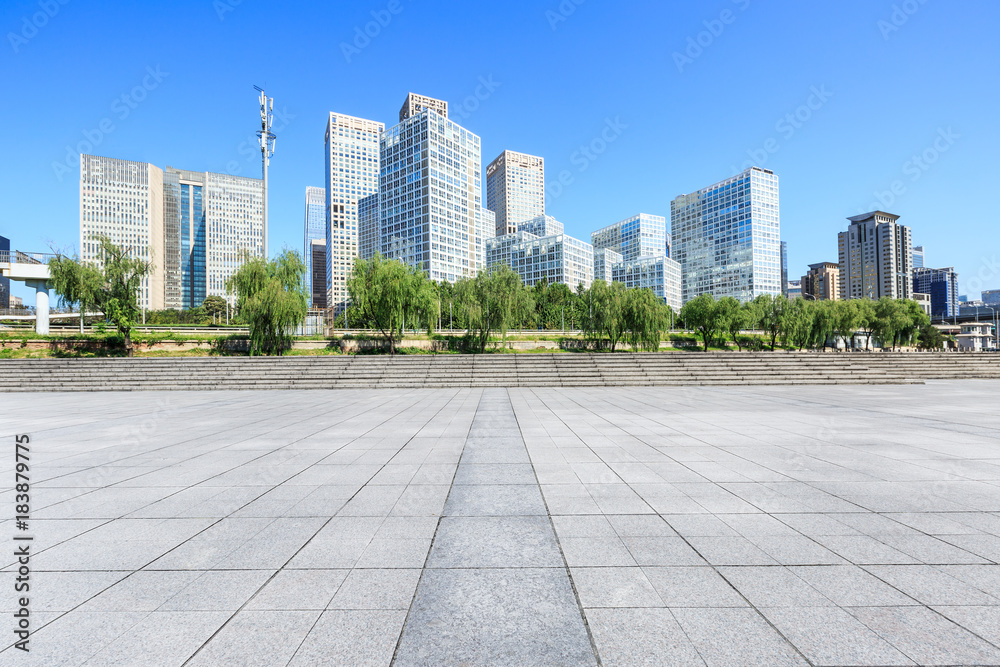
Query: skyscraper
{"x": 539, "y": 250}
{"x": 942, "y": 286}
{"x": 642, "y": 235}
{"x": 727, "y": 237}
{"x": 315, "y": 246}
{"x": 515, "y": 189}
{"x": 430, "y": 193}
{"x": 635, "y": 251}
{"x": 194, "y": 227}
{"x": 876, "y": 258}
{"x": 784, "y": 269}
{"x": 918, "y": 257}
{"x": 352, "y": 173}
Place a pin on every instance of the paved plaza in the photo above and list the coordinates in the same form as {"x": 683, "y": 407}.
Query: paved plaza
{"x": 845, "y": 525}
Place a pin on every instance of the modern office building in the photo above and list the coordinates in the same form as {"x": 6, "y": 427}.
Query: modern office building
{"x": 793, "y": 290}
{"x": 642, "y": 235}
{"x": 4, "y": 282}
{"x": 352, "y": 173}
{"x": 542, "y": 225}
{"x": 876, "y": 258}
{"x": 315, "y": 246}
{"x": 991, "y": 297}
{"x": 924, "y": 301}
{"x": 918, "y": 257}
{"x": 942, "y": 286}
{"x": 727, "y": 237}
{"x": 656, "y": 272}
{"x": 822, "y": 282}
{"x": 515, "y": 189}
{"x": 194, "y": 227}
{"x": 368, "y": 226}
{"x": 604, "y": 260}
{"x": 557, "y": 258}
{"x": 430, "y": 193}
{"x": 784, "y": 269}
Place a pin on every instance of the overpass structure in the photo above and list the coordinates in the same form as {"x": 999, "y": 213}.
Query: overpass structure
{"x": 31, "y": 268}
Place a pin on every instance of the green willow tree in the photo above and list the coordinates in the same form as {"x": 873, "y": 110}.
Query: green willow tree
{"x": 493, "y": 302}
{"x": 646, "y": 318}
{"x": 733, "y": 318}
{"x": 76, "y": 283}
{"x": 605, "y": 321}
{"x": 770, "y": 311}
{"x": 271, "y": 299}
{"x": 389, "y": 296}
{"x": 701, "y": 314}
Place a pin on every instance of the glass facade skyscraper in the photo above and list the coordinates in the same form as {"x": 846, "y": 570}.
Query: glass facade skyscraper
{"x": 727, "y": 236}
{"x": 642, "y": 235}
{"x": 604, "y": 260}
{"x": 942, "y": 286}
{"x": 515, "y": 189}
{"x": 315, "y": 245}
{"x": 352, "y": 173}
{"x": 430, "y": 194}
{"x": 557, "y": 258}
{"x": 657, "y": 272}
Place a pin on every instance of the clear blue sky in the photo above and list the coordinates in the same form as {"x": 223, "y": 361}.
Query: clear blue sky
{"x": 892, "y": 85}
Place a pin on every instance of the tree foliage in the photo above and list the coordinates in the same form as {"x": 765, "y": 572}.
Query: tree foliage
{"x": 702, "y": 314}
{"x": 388, "y": 296}
{"x": 493, "y": 302}
{"x": 76, "y": 283}
{"x": 270, "y": 299}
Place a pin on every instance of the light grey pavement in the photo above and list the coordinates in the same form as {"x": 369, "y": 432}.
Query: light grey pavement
{"x": 705, "y": 526}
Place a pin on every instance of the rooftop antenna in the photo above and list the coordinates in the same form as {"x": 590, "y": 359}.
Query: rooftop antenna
{"x": 267, "y": 139}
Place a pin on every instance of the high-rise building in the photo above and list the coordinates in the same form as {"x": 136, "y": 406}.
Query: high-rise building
{"x": 315, "y": 246}
{"x": 604, "y": 260}
{"x": 822, "y": 282}
{"x": 352, "y": 173}
{"x": 642, "y": 235}
{"x": 368, "y": 227}
{"x": 430, "y": 193}
{"x": 542, "y": 225}
{"x": 794, "y": 289}
{"x": 194, "y": 227}
{"x": 515, "y": 189}
{"x": 942, "y": 286}
{"x": 727, "y": 237}
{"x": 656, "y": 272}
{"x": 557, "y": 258}
{"x": 4, "y": 282}
{"x": 991, "y": 297}
{"x": 876, "y": 258}
{"x": 784, "y": 269}
{"x": 918, "y": 257}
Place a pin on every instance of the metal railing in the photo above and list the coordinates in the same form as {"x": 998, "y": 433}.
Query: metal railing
{"x": 21, "y": 257}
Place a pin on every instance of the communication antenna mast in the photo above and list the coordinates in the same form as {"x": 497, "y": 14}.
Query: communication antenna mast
{"x": 267, "y": 139}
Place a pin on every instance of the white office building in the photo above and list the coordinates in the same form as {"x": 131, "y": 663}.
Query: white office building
{"x": 642, "y": 235}
{"x": 727, "y": 236}
{"x": 557, "y": 258}
{"x": 656, "y": 272}
{"x": 604, "y": 260}
{"x": 352, "y": 173}
{"x": 430, "y": 193}
{"x": 515, "y": 189}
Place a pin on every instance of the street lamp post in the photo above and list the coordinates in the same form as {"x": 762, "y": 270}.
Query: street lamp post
{"x": 996, "y": 331}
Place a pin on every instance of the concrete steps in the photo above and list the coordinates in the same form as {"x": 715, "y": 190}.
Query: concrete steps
{"x": 520, "y": 370}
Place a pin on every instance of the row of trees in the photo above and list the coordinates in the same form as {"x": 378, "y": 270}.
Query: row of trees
{"x": 801, "y": 323}
{"x": 390, "y": 297}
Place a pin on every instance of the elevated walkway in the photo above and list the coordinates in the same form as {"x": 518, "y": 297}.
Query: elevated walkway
{"x": 33, "y": 269}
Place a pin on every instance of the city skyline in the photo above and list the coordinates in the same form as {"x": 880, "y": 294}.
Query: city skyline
{"x": 612, "y": 145}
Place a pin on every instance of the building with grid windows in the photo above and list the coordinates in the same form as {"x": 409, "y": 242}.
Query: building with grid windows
{"x": 315, "y": 246}
{"x": 876, "y": 258}
{"x": 656, "y": 272}
{"x": 604, "y": 260}
{"x": 784, "y": 269}
{"x": 515, "y": 189}
{"x": 352, "y": 173}
{"x": 726, "y": 237}
{"x": 368, "y": 226}
{"x": 430, "y": 193}
{"x": 991, "y": 297}
{"x": 542, "y": 225}
{"x": 557, "y": 259}
{"x": 918, "y": 257}
{"x": 194, "y": 227}
{"x": 4, "y": 282}
{"x": 822, "y": 282}
{"x": 642, "y": 235}
{"x": 942, "y": 286}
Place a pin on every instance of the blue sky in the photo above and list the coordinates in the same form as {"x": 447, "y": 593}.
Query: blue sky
{"x": 856, "y": 105}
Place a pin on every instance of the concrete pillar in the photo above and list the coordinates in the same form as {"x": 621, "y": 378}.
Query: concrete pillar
{"x": 41, "y": 306}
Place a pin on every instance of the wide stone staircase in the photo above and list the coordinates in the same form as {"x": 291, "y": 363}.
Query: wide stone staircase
{"x": 491, "y": 370}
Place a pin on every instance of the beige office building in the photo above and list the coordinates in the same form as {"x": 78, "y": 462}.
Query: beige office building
{"x": 822, "y": 283}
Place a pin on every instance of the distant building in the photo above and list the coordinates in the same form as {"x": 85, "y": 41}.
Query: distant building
{"x": 315, "y": 245}
{"x": 822, "y": 282}
{"x": 352, "y": 162}
{"x": 368, "y": 227}
{"x": 942, "y": 286}
{"x": 924, "y": 301}
{"x": 557, "y": 258}
{"x": 542, "y": 225}
{"x": 784, "y": 269}
{"x": 876, "y": 258}
{"x": 515, "y": 189}
{"x": 4, "y": 282}
{"x": 918, "y": 257}
{"x": 603, "y": 261}
{"x": 642, "y": 235}
{"x": 414, "y": 104}
{"x": 727, "y": 237}
{"x": 991, "y": 297}
{"x": 656, "y": 272}
{"x": 794, "y": 289}
{"x": 976, "y": 337}
{"x": 16, "y": 302}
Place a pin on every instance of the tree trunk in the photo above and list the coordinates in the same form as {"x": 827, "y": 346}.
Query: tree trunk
{"x": 128, "y": 343}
